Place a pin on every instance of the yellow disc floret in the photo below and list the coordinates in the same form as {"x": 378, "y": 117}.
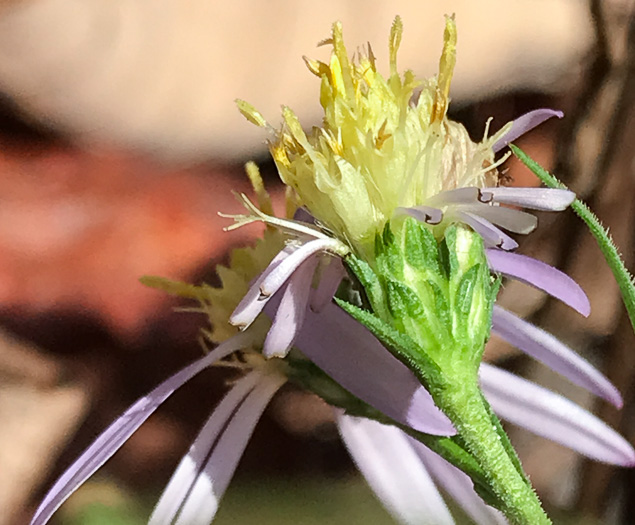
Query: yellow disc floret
{"x": 384, "y": 143}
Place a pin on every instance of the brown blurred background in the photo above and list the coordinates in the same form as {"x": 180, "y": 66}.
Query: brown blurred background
{"x": 120, "y": 142}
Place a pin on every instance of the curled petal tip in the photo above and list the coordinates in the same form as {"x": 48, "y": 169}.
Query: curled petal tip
{"x": 525, "y": 123}
{"x": 630, "y": 460}
{"x": 492, "y": 236}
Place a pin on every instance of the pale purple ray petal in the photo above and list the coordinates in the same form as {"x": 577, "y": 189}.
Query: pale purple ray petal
{"x": 424, "y": 214}
{"x": 332, "y": 274}
{"x": 291, "y": 311}
{"x": 118, "y": 432}
{"x": 467, "y": 195}
{"x": 492, "y": 236}
{"x": 392, "y": 468}
{"x": 251, "y": 304}
{"x": 552, "y": 416}
{"x": 540, "y": 275}
{"x": 525, "y": 123}
{"x": 459, "y": 486}
{"x": 201, "y": 504}
{"x": 272, "y": 283}
{"x": 192, "y": 463}
{"x": 556, "y": 355}
{"x": 546, "y": 199}
{"x": 513, "y": 220}
{"x": 353, "y": 357}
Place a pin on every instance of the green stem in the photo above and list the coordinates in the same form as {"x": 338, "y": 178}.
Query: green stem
{"x": 466, "y": 408}
{"x": 603, "y": 238}
{"x": 457, "y": 394}
{"x": 309, "y": 377}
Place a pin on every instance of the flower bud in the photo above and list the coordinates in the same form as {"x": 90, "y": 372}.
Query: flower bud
{"x": 438, "y": 292}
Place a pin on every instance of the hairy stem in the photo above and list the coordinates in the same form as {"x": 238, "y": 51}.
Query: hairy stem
{"x": 465, "y": 406}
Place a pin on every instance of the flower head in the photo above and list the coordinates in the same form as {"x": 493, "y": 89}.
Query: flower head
{"x": 400, "y": 196}
{"x": 403, "y": 472}
{"x": 390, "y": 176}
{"x": 385, "y": 144}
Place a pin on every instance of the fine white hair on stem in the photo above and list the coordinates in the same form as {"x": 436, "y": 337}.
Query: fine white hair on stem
{"x": 459, "y": 486}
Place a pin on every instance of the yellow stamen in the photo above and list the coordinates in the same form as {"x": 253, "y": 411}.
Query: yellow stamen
{"x": 395, "y": 40}
{"x": 382, "y": 136}
{"x": 264, "y": 200}
{"x": 317, "y": 67}
{"x": 251, "y": 113}
{"x": 340, "y": 64}
{"x": 446, "y": 70}
{"x": 291, "y": 202}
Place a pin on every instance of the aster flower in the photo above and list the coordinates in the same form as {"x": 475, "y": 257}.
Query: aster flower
{"x": 198, "y": 484}
{"x": 383, "y": 453}
{"x": 420, "y": 207}
{"x": 406, "y": 226}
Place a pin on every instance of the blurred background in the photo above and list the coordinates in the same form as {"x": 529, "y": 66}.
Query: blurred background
{"x": 120, "y": 141}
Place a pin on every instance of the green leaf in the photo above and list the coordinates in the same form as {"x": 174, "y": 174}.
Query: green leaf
{"x": 441, "y": 306}
{"x": 465, "y": 290}
{"x": 403, "y": 301}
{"x": 400, "y": 345}
{"x": 370, "y": 284}
{"x": 420, "y": 249}
{"x": 390, "y": 260}
{"x": 609, "y": 250}
{"x": 447, "y": 252}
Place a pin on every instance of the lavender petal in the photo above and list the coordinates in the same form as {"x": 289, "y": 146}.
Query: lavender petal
{"x": 508, "y": 218}
{"x": 525, "y": 123}
{"x": 273, "y": 282}
{"x": 332, "y": 274}
{"x": 291, "y": 311}
{"x": 540, "y": 275}
{"x": 492, "y": 236}
{"x": 546, "y": 199}
{"x": 467, "y": 195}
{"x": 250, "y": 305}
{"x": 554, "y": 417}
{"x": 384, "y": 455}
{"x": 201, "y": 504}
{"x": 354, "y": 358}
{"x": 192, "y": 463}
{"x": 556, "y": 355}
{"x": 459, "y": 486}
{"x": 424, "y": 214}
{"x": 118, "y": 432}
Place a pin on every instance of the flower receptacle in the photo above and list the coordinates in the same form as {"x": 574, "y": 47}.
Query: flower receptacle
{"x": 439, "y": 293}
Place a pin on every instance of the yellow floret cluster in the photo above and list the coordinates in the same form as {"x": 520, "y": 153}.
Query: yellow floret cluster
{"x": 384, "y": 142}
